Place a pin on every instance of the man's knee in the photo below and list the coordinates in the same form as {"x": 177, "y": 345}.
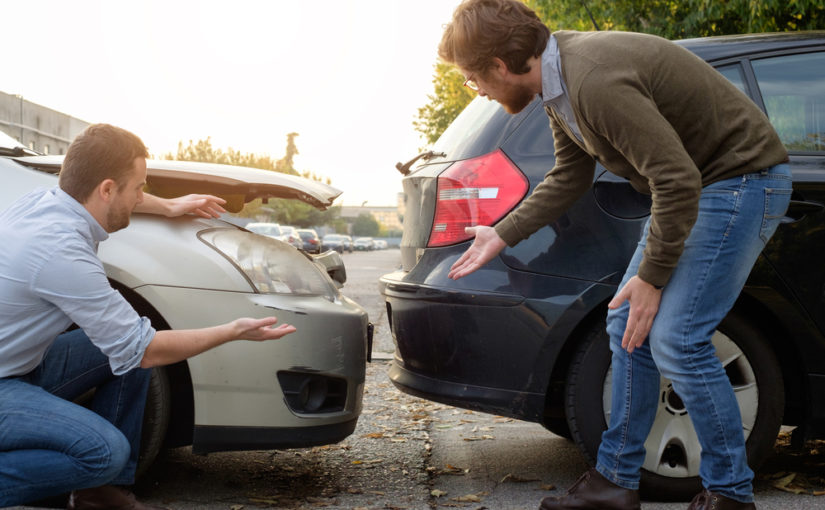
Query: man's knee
{"x": 102, "y": 455}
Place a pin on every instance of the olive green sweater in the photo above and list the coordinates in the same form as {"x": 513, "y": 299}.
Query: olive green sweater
{"x": 654, "y": 113}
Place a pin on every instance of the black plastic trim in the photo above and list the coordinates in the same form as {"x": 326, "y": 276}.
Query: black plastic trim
{"x": 207, "y": 439}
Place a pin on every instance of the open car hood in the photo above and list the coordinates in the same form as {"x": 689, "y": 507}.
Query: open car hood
{"x": 236, "y": 184}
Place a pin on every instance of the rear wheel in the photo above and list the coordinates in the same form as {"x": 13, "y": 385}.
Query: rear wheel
{"x": 671, "y": 467}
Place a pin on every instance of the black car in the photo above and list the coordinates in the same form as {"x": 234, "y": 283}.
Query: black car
{"x": 524, "y": 336}
{"x": 337, "y": 242}
{"x": 311, "y": 241}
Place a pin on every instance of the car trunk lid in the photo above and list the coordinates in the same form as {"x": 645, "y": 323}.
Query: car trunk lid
{"x": 237, "y": 185}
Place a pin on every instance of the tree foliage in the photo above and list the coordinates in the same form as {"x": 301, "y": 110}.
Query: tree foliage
{"x": 449, "y": 98}
{"x": 672, "y": 19}
{"x": 288, "y": 212}
{"x": 365, "y": 225}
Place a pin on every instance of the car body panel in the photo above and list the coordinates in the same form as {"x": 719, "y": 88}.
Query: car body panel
{"x": 235, "y": 384}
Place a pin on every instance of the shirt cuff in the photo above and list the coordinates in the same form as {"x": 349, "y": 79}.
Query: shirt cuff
{"x": 135, "y": 343}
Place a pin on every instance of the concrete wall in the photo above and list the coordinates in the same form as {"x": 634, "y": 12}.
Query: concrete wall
{"x": 39, "y": 128}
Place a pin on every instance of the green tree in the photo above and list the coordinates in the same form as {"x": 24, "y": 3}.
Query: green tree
{"x": 449, "y": 98}
{"x": 365, "y": 225}
{"x": 672, "y": 19}
{"x": 288, "y": 212}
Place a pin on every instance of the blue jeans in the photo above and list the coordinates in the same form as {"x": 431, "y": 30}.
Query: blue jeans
{"x": 736, "y": 219}
{"x": 50, "y": 446}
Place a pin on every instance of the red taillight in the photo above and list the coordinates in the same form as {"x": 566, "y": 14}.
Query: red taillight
{"x": 478, "y": 191}
{"x": 313, "y": 241}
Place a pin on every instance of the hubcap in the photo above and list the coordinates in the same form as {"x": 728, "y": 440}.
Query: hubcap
{"x": 672, "y": 447}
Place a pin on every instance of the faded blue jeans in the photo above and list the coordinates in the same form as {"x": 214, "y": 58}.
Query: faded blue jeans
{"x": 50, "y": 446}
{"x": 736, "y": 219}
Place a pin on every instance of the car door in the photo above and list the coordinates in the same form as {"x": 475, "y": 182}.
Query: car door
{"x": 791, "y": 89}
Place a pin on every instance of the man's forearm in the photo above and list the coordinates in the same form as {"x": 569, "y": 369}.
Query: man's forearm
{"x": 171, "y": 346}
{"x": 152, "y": 205}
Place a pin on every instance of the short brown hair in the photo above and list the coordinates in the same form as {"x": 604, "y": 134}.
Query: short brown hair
{"x": 100, "y": 152}
{"x": 483, "y": 29}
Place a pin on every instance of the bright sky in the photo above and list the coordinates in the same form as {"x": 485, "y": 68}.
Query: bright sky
{"x": 347, "y": 75}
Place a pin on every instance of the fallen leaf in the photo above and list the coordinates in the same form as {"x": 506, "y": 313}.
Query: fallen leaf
{"x": 236, "y": 507}
{"x": 437, "y": 493}
{"x": 469, "y": 498}
{"x": 265, "y": 501}
{"x": 784, "y": 481}
{"x": 547, "y": 487}
{"x": 517, "y": 479}
{"x": 374, "y": 435}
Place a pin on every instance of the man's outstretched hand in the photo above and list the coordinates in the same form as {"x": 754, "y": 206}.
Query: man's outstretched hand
{"x": 261, "y": 329}
{"x": 485, "y": 247}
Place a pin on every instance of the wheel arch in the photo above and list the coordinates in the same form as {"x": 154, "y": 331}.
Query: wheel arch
{"x": 554, "y": 408}
{"x": 788, "y": 354}
{"x": 182, "y": 417}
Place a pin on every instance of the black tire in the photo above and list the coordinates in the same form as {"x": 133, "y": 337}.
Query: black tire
{"x": 155, "y": 419}
{"x": 585, "y": 406}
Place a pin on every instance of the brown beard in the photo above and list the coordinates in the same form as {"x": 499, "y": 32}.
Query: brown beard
{"x": 516, "y": 99}
{"x": 117, "y": 219}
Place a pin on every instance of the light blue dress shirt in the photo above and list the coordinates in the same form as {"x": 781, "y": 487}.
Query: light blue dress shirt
{"x": 51, "y": 277}
{"x": 553, "y": 89}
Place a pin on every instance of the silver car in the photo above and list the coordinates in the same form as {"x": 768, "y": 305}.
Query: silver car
{"x": 190, "y": 272}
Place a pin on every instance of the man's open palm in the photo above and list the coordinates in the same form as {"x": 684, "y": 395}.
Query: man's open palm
{"x": 485, "y": 247}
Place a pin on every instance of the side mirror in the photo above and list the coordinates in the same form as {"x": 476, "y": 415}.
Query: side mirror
{"x": 331, "y": 262}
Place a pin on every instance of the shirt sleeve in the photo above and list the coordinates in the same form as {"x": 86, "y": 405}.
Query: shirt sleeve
{"x": 75, "y": 282}
{"x": 570, "y": 177}
{"x": 629, "y": 119}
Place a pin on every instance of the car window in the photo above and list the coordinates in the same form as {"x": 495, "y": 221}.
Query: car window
{"x": 734, "y": 74}
{"x": 793, "y": 90}
{"x": 480, "y": 128}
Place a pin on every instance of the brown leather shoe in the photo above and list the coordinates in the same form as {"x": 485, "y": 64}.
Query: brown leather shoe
{"x": 592, "y": 491}
{"x": 107, "y": 497}
{"x": 707, "y": 500}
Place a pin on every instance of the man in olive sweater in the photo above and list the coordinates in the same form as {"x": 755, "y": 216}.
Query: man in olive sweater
{"x": 657, "y": 115}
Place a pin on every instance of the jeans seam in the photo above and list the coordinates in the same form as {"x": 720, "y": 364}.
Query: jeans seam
{"x": 68, "y": 382}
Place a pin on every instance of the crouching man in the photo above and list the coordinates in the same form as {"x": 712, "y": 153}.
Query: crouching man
{"x": 50, "y": 278}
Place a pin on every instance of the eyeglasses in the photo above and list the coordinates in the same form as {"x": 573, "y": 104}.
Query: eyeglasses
{"x": 471, "y": 84}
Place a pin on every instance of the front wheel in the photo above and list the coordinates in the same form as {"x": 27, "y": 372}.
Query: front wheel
{"x": 671, "y": 466}
{"x": 155, "y": 419}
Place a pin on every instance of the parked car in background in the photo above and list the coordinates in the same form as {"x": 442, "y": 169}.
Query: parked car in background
{"x": 335, "y": 242}
{"x": 363, "y": 244}
{"x": 380, "y": 244}
{"x": 524, "y": 335}
{"x": 289, "y": 235}
{"x": 191, "y": 272}
{"x": 348, "y": 244}
{"x": 310, "y": 241}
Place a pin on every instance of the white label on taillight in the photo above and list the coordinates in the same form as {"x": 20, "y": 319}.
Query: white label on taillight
{"x": 439, "y": 227}
{"x": 468, "y": 193}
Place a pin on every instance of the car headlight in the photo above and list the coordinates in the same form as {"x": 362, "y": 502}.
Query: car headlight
{"x": 271, "y": 266}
